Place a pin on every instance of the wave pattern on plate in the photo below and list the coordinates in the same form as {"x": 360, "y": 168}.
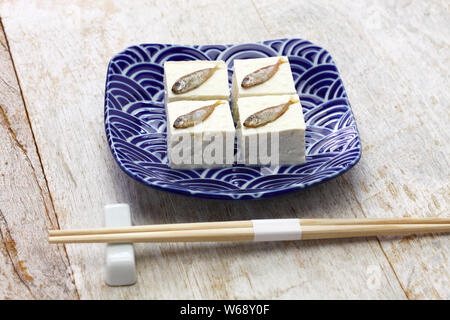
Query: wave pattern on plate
{"x": 135, "y": 120}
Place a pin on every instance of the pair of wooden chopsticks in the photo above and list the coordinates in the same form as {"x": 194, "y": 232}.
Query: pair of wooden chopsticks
{"x": 245, "y": 231}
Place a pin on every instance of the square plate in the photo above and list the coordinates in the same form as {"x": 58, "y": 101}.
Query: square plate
{"x": 135, "y": 120}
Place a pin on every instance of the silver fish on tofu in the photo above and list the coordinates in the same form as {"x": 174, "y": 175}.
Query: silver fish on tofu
{"x": 195, "y": 117}
{"x": 192, "y": 80}
{"x": 267, "y": 115}
{"x": 261, "y": 75}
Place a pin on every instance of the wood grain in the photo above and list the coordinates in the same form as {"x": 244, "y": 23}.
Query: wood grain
{"x": 394, "y": 59}
{"x": 29, "y": 267}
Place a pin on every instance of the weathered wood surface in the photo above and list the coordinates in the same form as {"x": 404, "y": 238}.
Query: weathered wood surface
{"x": 394, "y": 59}
{"x": 29, "y": 268}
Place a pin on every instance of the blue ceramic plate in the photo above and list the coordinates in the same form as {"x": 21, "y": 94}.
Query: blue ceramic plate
{"x": 135, "y": 120}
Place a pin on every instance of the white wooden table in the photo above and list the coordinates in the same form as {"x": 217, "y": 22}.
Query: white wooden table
{"x": 56, "y": 169}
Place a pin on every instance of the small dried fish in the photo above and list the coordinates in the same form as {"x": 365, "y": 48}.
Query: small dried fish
{"x": 194, "y": 117}
{"x": 261, "y": 75}
{"x": 193, "y": 80}
{"x": 267, "y": 115}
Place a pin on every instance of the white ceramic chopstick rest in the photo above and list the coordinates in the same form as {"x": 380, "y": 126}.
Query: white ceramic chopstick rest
{"x": 120, "y": 263}
{"x": 277, "y": 229}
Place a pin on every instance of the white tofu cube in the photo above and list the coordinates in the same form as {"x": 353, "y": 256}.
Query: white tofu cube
{"x": 205, "y": 145}
{"x": 275, "y": 143}
{"x": 216, "y": 87}
{"x": 280, "y": 83}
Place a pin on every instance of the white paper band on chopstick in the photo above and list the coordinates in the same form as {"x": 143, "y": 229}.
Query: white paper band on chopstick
{"x": 277, "y": 229}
